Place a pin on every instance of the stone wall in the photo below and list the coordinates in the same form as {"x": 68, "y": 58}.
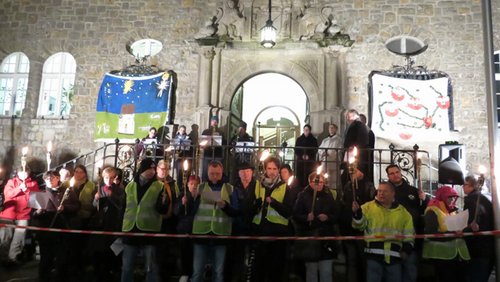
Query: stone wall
{"x": 95, "y": 33}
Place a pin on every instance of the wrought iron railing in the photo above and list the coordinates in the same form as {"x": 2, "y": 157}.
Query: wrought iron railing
{"x": 126, "y": 157}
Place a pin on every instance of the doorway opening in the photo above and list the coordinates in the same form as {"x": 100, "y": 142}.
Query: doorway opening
{"x": 274, "y": 106}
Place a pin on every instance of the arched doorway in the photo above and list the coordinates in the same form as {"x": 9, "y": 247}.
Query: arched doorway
{"x": 273, "y": 105}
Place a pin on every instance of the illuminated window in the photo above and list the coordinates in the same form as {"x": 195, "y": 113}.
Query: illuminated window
{"x": 14, "y": 72}
{"x": 57, "y": 89}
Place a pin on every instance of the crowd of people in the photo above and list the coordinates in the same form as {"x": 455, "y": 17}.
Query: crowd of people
{"x": 271, "y": 201}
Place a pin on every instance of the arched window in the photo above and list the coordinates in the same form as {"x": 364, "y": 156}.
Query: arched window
{"x": 57, "y": 89}
{"x": 14, "y": 72}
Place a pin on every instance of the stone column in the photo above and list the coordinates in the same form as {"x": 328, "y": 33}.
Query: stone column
{"x": 205, "y": 76}
{"x": 331, "y": 82}
{"x": 216, "y": 77}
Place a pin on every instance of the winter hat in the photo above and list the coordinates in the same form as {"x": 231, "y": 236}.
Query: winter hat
{"x": 245, "y": 165}
{"x": 444, "y": 192}
{"x": 243, "y": 124}
{"x": 442, "y": 195}
{"x": 145, "y": 165}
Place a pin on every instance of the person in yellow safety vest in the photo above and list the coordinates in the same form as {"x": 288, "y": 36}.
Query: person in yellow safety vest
{"x": 384, "y": 216}
{"x": 448, "y": 255}
{"x": 146, "y": 201}
{"x": 213, "y": 217}
{"x": 276, "y": 206}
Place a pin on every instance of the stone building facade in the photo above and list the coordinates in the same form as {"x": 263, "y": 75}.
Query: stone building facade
{"x": 333, "y": 76}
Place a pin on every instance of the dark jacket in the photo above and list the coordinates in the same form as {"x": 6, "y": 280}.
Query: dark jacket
{"x": 480, "y": 246}
{"x": 245, "y": 204}
{"x": 407, "y": 196}
{"x": 185, "y": 213}
{"x": 324, "y": 204}
{"x": 109, "y": 208}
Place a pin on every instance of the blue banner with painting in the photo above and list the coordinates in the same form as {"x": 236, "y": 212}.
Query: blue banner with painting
{"x": 128, "y": 106}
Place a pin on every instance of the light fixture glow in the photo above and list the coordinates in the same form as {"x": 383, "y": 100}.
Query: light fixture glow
{"x": 268, "y": 32}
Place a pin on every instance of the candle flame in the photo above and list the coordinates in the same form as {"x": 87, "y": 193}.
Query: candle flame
{"x": 185, "y": 165}
{"x": 264, "y": 156}
{"x": 203, "y": 143}
{"x": 319, "y": 169}
{"x": 290, "y": 180}
{"x": 24, "y": 151}
{"x": 71, "y": 182}
{"x": 325, "y": 175}
{"x": 49, "y": 146}
{"x": 482, "y": 169}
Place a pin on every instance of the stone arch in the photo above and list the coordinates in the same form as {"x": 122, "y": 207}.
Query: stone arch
{"x": 287, "y": 68}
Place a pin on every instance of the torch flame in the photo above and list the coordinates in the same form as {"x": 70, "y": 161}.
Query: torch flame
{"x": 319, "y": 169}
{"x": 264, "y": 155}
{"x": 482, "y": 169}
{"x": 185, "y": 165}
{"x": 24, "y": 151}
{"x": 49, "y": 146}
{"x": 354, "y": 153}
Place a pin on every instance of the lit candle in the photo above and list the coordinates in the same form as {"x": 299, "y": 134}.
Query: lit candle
{"x": 290, "y": 180}
{"x": 72, "y": 182}
{"x": 185, "y": 166}
{"x": 49, "y": 154}
{"x": 24, "y": 151}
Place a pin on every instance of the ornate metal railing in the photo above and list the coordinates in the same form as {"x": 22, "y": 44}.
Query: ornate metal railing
{"x": 126, "y": 157}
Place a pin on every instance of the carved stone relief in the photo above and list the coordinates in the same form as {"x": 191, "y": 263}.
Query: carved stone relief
{"x": 293, "y": 20}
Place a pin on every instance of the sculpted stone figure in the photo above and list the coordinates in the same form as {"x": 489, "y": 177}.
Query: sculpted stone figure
{"x": 231, "y": 20}
{"x": 208, "y": 30}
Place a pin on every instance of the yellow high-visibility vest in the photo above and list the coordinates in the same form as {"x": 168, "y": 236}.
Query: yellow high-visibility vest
{"x": 143, "y": 214}
{"x": 445, "y": 250}
{"x": 272, "y": 215}
{"x": 209, "y": 217}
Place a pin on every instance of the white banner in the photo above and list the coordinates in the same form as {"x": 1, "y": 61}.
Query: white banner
{"x": 410, "y": 110}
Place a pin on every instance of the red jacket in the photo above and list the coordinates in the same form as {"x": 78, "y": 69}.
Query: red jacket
{"x": 16, "y": 201}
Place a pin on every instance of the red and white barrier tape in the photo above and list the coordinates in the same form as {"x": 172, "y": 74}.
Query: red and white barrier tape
{"x": 338, "y": 238}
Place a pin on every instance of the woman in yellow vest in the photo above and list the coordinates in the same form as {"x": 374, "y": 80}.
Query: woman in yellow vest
{"x": 448, "y": 255}
{"x": 271, "y": 220}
